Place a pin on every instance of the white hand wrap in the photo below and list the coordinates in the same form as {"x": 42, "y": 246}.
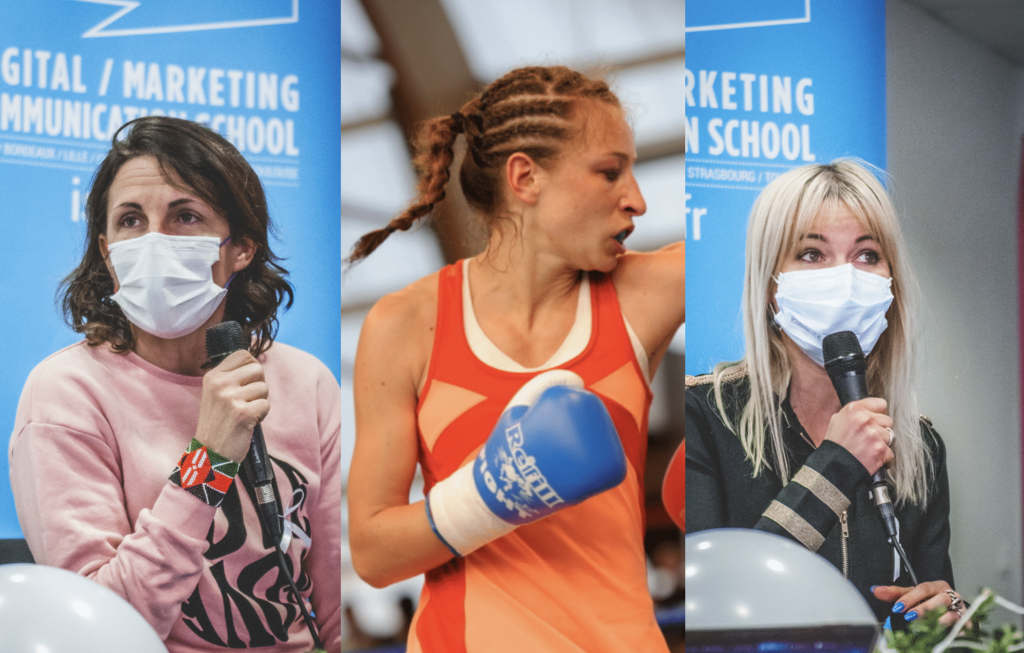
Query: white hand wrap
{"x": 461, "y": 518}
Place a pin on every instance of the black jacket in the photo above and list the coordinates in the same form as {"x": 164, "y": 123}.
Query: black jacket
{"x": 722, "y": 492}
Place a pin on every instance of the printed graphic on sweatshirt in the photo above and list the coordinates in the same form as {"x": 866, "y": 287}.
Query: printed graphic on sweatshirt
{"x": 253, "y": 617}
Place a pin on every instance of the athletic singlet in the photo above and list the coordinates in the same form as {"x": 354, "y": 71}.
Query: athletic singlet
{"x": 572, "y": 582}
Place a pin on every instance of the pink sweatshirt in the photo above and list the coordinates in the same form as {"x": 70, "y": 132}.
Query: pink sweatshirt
{"x": 95, "y": 439}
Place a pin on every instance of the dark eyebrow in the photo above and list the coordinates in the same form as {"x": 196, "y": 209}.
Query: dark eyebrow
{"x": 175, "y": 203}
{"x": 825, "y": 240}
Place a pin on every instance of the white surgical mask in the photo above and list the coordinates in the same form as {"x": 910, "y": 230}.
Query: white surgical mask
{"x": 814, "y": 303}
{"x": 166, "y": 283}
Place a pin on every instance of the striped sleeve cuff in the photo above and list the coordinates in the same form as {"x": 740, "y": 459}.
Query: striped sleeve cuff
{"x": 809, "y": 507}
{"x": 822, "y": 488}
{"x": 796, "y": 526}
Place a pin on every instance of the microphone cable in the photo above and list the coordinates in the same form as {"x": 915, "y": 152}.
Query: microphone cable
{"x": 847, "y": 367}
{"x": 283, "y": 566}
{"x": 222, "y": 340}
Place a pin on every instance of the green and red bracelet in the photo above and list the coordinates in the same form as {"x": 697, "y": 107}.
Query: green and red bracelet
{"x": 204, "y": 473}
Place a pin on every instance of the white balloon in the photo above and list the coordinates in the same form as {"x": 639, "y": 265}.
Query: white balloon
{"x": 739, "y": 579}
{"x": 54, "y": 610}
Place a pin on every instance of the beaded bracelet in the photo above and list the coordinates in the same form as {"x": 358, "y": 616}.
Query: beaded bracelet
{"x": 204, "y": 473}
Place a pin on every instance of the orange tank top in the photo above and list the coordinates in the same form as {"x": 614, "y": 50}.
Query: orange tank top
{"x": 572, "y": 582}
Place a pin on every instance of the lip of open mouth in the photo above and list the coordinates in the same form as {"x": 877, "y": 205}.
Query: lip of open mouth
{"x": 622, "y": 235}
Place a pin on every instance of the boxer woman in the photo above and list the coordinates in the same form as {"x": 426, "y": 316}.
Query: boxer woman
{"x": 549, "y": 168}
{"x": 126, "y": 444}
{"x": 768, "y": 446}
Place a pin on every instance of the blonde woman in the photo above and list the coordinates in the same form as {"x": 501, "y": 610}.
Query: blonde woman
{"x": 769, "y": 445}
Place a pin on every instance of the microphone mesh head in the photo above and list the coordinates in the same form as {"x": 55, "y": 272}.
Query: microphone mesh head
{"x": 842, "y": 353}
{"x": 223, "y": 339}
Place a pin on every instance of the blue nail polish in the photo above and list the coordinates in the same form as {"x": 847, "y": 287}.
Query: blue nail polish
{"x": 898, "y": 607}
{"x": 911, "y": 615}
{"x": 888, "y": 623}
{"x": 872, "y": 588}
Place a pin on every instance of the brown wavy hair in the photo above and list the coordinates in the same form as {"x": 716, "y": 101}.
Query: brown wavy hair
{"x": 529, "y": 110}
{"x": 211, "y": 168}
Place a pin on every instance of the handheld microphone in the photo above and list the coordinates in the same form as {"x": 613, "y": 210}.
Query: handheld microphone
{"x": 222, "y": 340}
{"x": 847, "y": 367}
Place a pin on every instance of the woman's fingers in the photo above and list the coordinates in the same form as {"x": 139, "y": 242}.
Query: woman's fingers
{"x": 862, "y": 428}
{"x": 234, "y": 400}
{"x": 889, "y": 593}
{"x": 921, "y": 608}
{"x": 914, "y": 602}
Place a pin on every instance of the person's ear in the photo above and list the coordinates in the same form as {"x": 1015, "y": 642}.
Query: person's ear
{"x": 244, "y": 251}
{"x": 105, "y": 253}
{"x": 524, "y": 177}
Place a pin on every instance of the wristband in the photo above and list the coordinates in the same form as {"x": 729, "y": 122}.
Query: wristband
{"x": 433, "y": 527}
{"x": 204, "y": 473}
{"x": 459, "y": 516}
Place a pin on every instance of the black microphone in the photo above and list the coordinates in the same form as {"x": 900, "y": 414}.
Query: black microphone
{"x": 847, "y": 368}
{"x": 222, "y": 340}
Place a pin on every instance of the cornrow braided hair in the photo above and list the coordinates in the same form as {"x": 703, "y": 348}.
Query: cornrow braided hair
{"x": 529, "y": 110}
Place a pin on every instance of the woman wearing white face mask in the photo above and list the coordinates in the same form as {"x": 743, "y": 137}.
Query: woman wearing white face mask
{"x": 125, "y": 452}
{"x": 769, "y": 445}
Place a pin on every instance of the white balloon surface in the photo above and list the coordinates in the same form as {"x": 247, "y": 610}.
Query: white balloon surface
{"x": 739, "y": 578}
{"x": 54, "y": 610}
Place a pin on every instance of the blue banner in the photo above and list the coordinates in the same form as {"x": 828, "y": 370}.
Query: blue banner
{"x": 768, "y": 87}
{"x": 73, "y": 71}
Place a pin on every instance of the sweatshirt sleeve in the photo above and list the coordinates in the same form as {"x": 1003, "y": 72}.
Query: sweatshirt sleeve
{"x": 68, "y": 491}
{"x": 324, "y": 562}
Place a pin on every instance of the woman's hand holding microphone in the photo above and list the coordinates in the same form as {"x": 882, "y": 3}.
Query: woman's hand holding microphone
{"x": 865, "y": 430}
{"x": 234, "y": 401}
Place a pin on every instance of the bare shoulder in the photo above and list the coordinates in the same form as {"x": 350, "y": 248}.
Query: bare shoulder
{"x": 652, "y": 294}
{"x": 399, "y": 329}
{"x": 646, "y": 281}
{"x": 407, "y": 307}
{"x": 664, "y": 269}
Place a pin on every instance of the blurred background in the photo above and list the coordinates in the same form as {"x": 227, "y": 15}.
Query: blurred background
{"x": 403, "y": 61}
{"x": 955, "y": 118}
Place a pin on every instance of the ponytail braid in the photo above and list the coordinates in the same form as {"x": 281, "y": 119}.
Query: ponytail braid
{"x": 529, "y": 110}
{"x": 435, "y": 151}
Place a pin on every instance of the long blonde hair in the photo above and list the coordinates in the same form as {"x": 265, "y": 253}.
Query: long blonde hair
{"x": 782, "y": 213}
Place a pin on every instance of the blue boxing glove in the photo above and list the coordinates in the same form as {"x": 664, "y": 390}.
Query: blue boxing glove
{"x": 554, "y": 446}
